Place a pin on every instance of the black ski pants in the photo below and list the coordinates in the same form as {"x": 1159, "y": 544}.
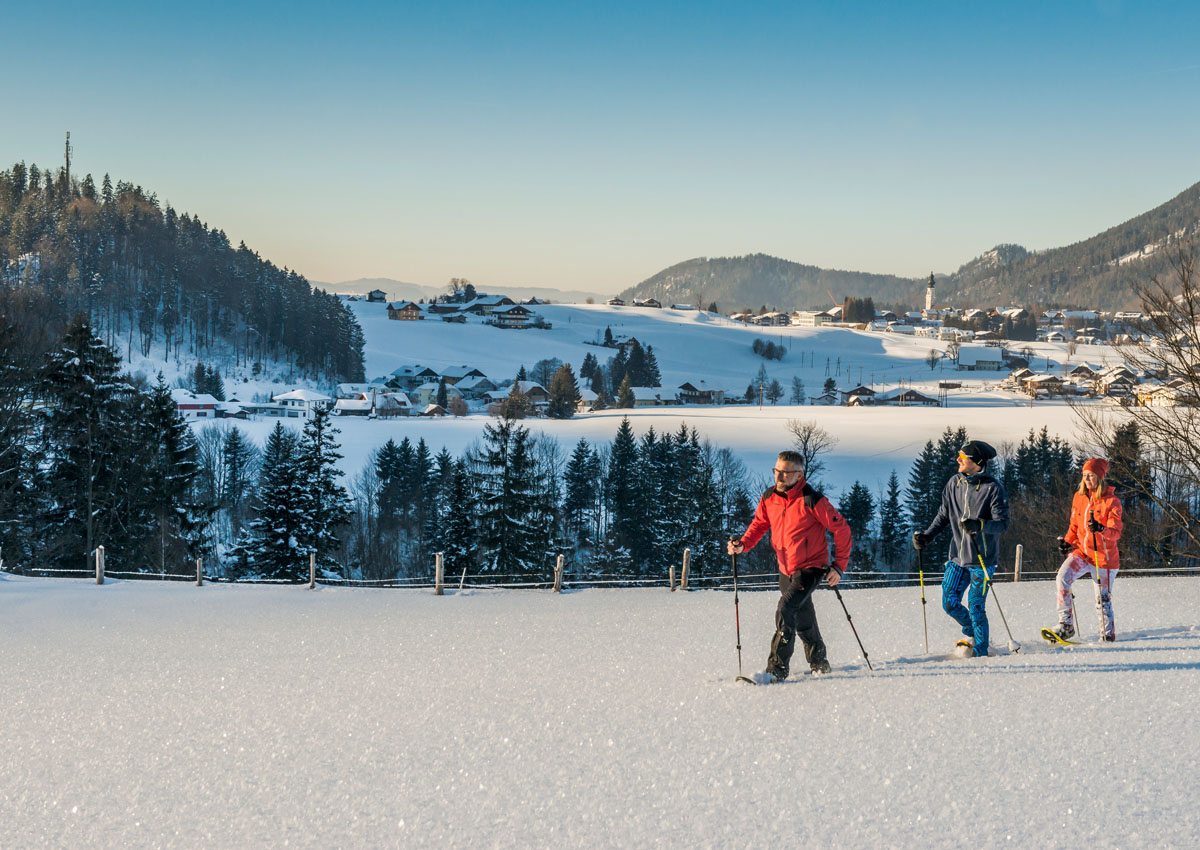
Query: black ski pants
{"x": 797, "y": 615}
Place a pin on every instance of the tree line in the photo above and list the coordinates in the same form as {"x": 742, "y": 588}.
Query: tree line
{"x": 146, "y": 275}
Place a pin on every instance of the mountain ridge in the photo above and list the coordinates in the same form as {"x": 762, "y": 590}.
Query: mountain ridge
{"x": 1100, "y": 271}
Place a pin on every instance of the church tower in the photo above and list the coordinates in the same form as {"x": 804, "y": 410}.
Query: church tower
{"x": 929, "y": 294}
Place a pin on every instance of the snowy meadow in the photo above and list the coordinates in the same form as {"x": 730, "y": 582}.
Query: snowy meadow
{"x": 144, "y": 714}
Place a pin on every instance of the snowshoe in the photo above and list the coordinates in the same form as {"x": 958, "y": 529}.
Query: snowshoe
{"x": 820, "y": 667}
{"x": 1059, "y": 637}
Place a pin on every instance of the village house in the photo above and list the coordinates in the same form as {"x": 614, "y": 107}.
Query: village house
{"x": 301, "y": 403}
{"x": 648, "y": 302}
{"x": 586, "y": 401}
{"x": 356, "y": 390}
{"x": 810, "y": 318}
{"x": 485, "y": 305}
{"x": 194, "y": 405}
{"x": 827, "y": 399}
{"x": 865, "y": 395}
{"x": 377, "y": 296}
{"x": 688, "y": 393}
{"x": 534, "y": 393}
{"x": 905, "y": 397}
{"x": 474, "y": 388}
{"x": 455, "y": 374}
{"x": 515, "y": 316}
{"x": 427, "y": 393}
{"x": 980, "y": 358}
{"x": 650, "y": 397}
{"x": 360, "y": 405}
{"x": 405, "y": 311}
{"x": 390, "y": 405}
{"x": 411, "y": 377}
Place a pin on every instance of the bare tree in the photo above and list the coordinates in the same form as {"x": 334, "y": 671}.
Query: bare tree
{"x": 811, "y": 441}
{"x": 932, "y": 358}
{"x": 1166, "y": 473}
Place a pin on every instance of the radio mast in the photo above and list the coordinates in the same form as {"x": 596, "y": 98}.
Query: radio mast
{"x": 68, "y": 158}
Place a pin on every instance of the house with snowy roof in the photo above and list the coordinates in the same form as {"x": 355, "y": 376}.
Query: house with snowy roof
{"x": 301, "y": 403}
{"x": 194, "y": 405}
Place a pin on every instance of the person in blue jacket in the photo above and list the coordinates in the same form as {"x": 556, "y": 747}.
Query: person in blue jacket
{"x": 975, "y": 508}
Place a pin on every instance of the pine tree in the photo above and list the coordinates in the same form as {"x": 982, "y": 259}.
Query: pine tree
{"x": 580, "y": 482}
{"x": 458, "y": 533}
{"x": 240, "y": 459}
{"x": 653, "y": 375}
{"x": 923, "y": 497}
{"x": 563, "y": 394}
{"x": 441, "y": 393}
{"x": 797, "y": 390}
{"x": 588, "y": 367}
{"x": 506, "y": 499}
{"x": 168, "y": 467}
{"x": 618, "y": 371}
{"x": 622, "y": 494}
{"x": 774, "y": 392}
{"x": 274, "y": 549}
{"x": 891, "y": 524}
{"x": 86, "y": 433}
{"x": 858, "y": 508}
{"x": 625, "y": 397}
{"x": 326, "y": 503}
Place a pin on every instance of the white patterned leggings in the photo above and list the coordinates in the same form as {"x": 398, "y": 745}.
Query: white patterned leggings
{"x": 1074, "y": 567}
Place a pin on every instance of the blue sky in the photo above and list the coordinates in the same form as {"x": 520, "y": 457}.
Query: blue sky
{"x": 590, "y": 145}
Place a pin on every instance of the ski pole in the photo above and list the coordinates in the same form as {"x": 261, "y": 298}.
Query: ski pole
{"x": 1101, "y": 561}
{"x": 851, "y": 622}
{"x": 737, "y": 620}
{"x": 1013, "y": 646}
{"x": 921, "y": 577}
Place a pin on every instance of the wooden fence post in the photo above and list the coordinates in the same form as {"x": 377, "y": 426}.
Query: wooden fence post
{"x": 1017, "y": 564}
{"x": 671, "y": 578}
{"x": 687, "y": 568}
{"x": 558, "y": 573}
{"x": 438, "y": 568}
{"x": 98, "y": 554}
{"x": 312, "y": 570}
{"x": 199, "y": 574}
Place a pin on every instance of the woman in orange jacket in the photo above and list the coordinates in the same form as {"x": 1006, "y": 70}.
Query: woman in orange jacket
{"x": 1090, "y": 545}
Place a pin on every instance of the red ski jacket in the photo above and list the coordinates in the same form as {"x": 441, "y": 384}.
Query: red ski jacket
{"x": 1107, "y": 509}
{"x": 798, "y": 521}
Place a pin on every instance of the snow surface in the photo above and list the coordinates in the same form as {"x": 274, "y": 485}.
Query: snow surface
{"x": 145, "y": 714}
{"x": 697, "y": 346}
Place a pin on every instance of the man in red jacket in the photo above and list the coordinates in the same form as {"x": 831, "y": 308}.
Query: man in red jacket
{"x": 798, "y": 518}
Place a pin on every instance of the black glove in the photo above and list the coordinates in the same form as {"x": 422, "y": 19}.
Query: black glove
{"x": 1064, "y": 546}
{"x": 920, "y": 540}
{"x": 972, "y": 526}
{"x": 1094, "y": 526}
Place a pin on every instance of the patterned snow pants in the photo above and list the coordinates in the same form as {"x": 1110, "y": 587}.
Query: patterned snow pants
{"x": 1074, "y": 567}
{"x": 974, "y": 621}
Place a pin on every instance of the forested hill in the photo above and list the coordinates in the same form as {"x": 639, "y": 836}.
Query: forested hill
{"x": 759, "y": 280}
{"x": 147, "y": 276}
{"x": 1100, "y": 272}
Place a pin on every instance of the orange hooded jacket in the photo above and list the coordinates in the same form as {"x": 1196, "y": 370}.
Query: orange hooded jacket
{"x": 1100, "y": 549}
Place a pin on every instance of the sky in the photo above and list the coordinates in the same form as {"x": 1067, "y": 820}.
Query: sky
{"x": 588, "y": 146}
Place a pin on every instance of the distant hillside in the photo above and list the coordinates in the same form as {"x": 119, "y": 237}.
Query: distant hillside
{"x": 761, "y": 280}
{"x": 147, "y": 274}
{"x": 1099, "y": 272}
{"x": 399, "y": 290}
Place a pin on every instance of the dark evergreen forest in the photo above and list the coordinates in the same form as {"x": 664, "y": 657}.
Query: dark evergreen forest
{"x": 145, "y": 275}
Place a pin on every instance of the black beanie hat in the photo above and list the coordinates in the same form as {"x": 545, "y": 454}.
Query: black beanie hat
{"x": 978, "y": 451}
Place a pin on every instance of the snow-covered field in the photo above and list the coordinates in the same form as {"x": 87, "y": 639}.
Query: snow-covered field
{"x": 692, "y": 346}
{"x": 142, "y": 714}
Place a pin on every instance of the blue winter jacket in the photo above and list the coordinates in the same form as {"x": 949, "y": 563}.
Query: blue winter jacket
{"x": 972, "y": 497}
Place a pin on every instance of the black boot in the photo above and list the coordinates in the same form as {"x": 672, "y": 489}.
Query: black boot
{"x": 815, "y": 654}
{"x": 781, "y": 655}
